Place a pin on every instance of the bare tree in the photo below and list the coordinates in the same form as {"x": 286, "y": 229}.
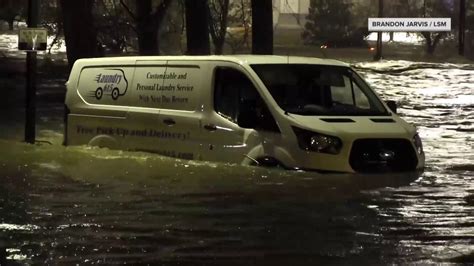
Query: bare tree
{"x": 113, "y": 26}
{"x": 218, "y": 18}
{"x": 79, "y": 31}
{"x": 10, "y": 10}
{"x": 434, "y": 8}
{"x": 51, "y": 20}
{"x": 147, "y": 22}
{"x": 240, "y": 16}
{"x": 432, "y": 40}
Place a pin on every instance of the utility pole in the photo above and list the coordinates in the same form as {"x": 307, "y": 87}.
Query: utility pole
{"x": 378, "y": 54}
{"x": 30, "y": 104}
{"x": 462, "y": 26}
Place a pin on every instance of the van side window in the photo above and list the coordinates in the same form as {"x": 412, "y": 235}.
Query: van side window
{"x": 235, "y": 97}
{"x": 350, "y": 93}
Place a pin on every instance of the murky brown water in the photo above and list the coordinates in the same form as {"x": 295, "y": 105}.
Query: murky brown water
{"x": 78, "y": 205}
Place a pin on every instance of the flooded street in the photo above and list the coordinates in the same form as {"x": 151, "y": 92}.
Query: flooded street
{"x": 81, "y": 205}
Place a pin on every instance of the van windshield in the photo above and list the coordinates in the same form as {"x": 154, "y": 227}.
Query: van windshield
{"x": 306, "y": 89}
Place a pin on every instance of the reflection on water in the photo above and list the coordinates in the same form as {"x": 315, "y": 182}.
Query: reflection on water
{"x": 94, "y": 206}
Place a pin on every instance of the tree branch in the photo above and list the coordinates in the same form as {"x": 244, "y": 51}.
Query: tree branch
{"x": 128, "y": 10}
{"x": 160, "y": 12}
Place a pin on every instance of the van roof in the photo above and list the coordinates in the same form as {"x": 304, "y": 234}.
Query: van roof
{"x": 239, "y": 59}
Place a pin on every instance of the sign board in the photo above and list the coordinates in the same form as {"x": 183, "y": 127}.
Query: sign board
{"x": 32, "y": 39}
{"x": 409, "y": 24}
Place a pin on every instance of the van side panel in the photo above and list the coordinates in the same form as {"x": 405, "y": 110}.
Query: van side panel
{"x": 102, "y": 131}
{"x": 148, "y": 83}
{"x": 180, "y": 111}
{"x": 98, "y": 102}
{"x": 167, "y": 86}
{"x": 143, "y": 114}
{"x": 107, "y": 85}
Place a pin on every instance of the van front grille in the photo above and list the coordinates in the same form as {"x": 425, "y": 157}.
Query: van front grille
{"x": 383, "y": 155}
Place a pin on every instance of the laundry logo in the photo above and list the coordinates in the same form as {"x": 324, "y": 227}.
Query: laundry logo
{"x": 111, "y": 82}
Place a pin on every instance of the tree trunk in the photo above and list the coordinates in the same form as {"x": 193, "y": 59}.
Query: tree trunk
{"x": 462, "y": 26}
{"x": 10, "y": 10}
{"x": 428, "y": 42}
{"x": 79, "y": 31}
{"x": 11, "y": 23}
{"x": 219, "y": 46}
{"x": 432, "y": 43}
{"x": 197, "y": 27}
{"x": 148, "y": 42}
{"x": 147, "y": 24}
{"x": 262, "y": 27}
{"x": 147, "y": 31}
{"x": 429, "y": 46}
{"x": 218, "y": 17}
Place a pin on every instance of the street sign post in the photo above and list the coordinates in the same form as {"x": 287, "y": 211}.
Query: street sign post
{"x": 34, "y": 40}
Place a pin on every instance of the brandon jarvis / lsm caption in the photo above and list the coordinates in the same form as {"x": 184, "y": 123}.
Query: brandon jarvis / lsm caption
{"x": 275, "y": 111}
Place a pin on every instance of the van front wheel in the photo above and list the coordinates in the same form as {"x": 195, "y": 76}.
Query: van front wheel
{"x": 115, "y": 93}
{"x": 269, "y": 162}
{"x": 98, "y": 93}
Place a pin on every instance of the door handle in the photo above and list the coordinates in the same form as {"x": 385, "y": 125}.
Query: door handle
{"x": 210, "y": 127}
{"x": 169, "y": 121}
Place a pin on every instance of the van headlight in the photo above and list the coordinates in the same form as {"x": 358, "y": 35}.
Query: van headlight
{"x": 418, "y": 144}
{"x": 317, "y": 142}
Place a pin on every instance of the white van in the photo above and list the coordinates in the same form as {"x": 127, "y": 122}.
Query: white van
{"x": 291, "y": 112}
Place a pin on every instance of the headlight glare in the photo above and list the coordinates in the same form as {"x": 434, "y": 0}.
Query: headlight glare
{"x": 317, "y": 142}
{"x": 321, "y": 143}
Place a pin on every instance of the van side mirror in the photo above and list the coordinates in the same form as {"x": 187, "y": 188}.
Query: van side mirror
{"x": 392, "y": 105}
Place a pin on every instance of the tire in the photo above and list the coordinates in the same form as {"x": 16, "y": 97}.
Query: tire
{"x": 269, "y": 162}
{"x": 115, "y": 93}
{"x": 98, "y": 93}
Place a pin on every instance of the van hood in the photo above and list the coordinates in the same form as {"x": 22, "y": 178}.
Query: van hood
{"x": 357, "y": 126}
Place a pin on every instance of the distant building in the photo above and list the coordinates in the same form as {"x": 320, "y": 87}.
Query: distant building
{"x": 290, "y": 13}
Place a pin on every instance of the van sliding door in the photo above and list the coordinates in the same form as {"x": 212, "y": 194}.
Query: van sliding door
{"x": 179, "y": 125}
{"x": 143, "y": 117}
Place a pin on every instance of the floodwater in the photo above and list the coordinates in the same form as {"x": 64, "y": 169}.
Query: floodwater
{"x": 79, "y": 205}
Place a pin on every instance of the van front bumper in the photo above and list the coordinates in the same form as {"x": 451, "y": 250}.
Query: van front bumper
{"x": 365, "y": 156}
